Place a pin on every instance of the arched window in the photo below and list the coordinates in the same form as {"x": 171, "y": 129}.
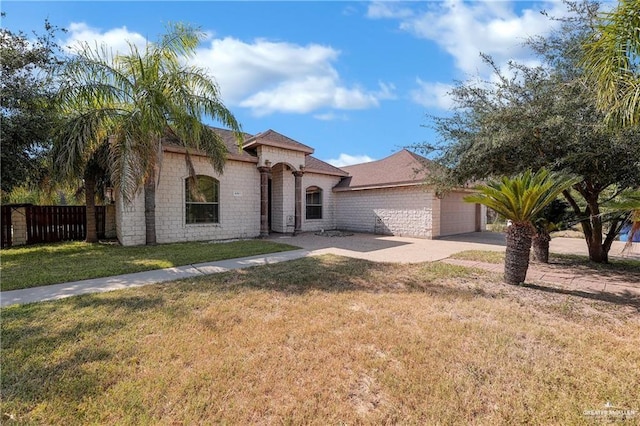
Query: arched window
{"x": 202, "y": 200}
{"x": 314, "y": 202}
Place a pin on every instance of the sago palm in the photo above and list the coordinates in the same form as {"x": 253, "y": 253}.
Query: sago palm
{"x": 136, "y": 100}
{"x": 520, "y": 199}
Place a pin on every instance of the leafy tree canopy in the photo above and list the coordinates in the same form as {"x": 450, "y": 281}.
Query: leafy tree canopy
{"x": 530, "y": 117}
{"x": 27, "y": 88}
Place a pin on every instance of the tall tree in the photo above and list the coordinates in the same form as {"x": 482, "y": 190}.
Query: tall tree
{"x": 612, "y": 62}
{"x": 136, "y": 100}
{"x": 27, "y": 88}
{"x": 520, "y": 199}
{"x": 534, "y": 117}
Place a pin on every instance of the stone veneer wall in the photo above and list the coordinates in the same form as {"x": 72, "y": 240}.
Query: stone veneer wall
{"x": 403, "y": 211}
{"x": 130, "y": 227}
{"x": 19, "y": 226}
{"x": 325, "y": 182}
{"x": 279, "y": 155}
{"x": 239, "y": 204}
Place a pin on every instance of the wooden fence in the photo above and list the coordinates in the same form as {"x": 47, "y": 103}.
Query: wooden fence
{"x": 48, "y": 224}
{"x": 5, "y": 218}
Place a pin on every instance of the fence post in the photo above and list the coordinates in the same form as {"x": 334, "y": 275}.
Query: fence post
{"x": 19, "y": 223}
{"x": 110, "y": 221}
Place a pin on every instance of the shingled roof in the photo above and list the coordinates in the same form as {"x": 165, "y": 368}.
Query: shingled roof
{"x": 404, "y": 168}
{"x": 229, "y": 139}
{"x": 270, "y": 138}
{"x": 313, "y": 165}
{"x": 275, "y": 139}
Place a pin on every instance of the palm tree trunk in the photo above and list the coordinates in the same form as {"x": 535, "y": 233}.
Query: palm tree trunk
{"x": 540, "y": 244}
{"x": 150, "y": 209}
{"x": 516, "y": 261}
{"x": 91, "y": 233}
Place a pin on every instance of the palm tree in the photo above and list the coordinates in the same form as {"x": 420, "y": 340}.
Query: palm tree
{"x": 548, "y": 220}
{"x": 611, "y": 62}
{"x": 628, "y": 203}
{"x": 520, "y": 199}
{"x": 136, "y": 100}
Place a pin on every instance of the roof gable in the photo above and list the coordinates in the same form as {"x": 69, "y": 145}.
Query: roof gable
{"x": 403, "y": 168}
{"x": 313, "y": 165}
{"x": 275, "y": 139}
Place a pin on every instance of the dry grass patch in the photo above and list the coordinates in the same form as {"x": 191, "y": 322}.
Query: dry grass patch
{"x": 324, "y": 340}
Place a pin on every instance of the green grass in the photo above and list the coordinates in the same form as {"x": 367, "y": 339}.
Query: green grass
{"x": 34, "y": 266}
{"x": 321, "y": 340}
{"x": 480, "y": 256}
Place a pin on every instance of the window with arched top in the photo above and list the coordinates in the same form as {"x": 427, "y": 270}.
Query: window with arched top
{"x": 202, "y": 199}
{"x": 314, "y": 202}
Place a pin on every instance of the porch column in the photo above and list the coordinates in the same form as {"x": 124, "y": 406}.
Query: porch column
{"x": 298, "y": 205}
{"x": 264, "y": 201}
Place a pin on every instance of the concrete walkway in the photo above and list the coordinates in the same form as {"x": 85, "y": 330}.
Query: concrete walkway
{"x": 363, "y": 246}
{"x": 138, "y": 279}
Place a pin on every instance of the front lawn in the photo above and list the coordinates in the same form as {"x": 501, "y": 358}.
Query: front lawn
{"x": 32, "y": 266}
{"x": 323, "y": 340}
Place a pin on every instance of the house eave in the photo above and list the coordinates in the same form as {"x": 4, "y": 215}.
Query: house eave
{"x": 230, "y": 156}
{"x": 324, "y": 172}
{"x": 396, "y": 185}
{"x": 379, "y": 186}
{"x": 257, "y": 143}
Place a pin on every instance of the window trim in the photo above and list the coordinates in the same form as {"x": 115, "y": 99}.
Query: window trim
{"x": 314, "y": 190}
{"x": 215, "y": 203}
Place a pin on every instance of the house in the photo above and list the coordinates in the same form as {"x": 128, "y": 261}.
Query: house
{"x": 275, "y": 185}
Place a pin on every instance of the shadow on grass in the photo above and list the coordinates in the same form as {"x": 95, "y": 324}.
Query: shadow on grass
{"x": 41, "y": 364}
{"x": 624, "y": 299}
{"x": 629, "y": 267}
{"x": 54, "y": 353}
{"x": 336, "y": 274}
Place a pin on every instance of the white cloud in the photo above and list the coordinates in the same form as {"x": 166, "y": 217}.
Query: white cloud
{"x": 348, "y": 160}
{"x": 331, "y": 116}
{"x": 432, "y": 95}
{"x": 117, "y": 39}
{"x": 387, "y": 9}
{"x": 264, "y": 76}
{"x": 466, "y": 29}
{"x": 268, "y": 77}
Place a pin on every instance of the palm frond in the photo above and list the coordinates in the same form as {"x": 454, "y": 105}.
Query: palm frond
{"x": 522, "y": 197}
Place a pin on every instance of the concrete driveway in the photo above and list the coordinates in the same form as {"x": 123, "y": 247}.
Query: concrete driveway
{"x": 363, "y": 246}
{"x": 381, "y": 248}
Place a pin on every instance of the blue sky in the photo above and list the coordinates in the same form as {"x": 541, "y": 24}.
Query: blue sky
{"x": 354, "y": 80}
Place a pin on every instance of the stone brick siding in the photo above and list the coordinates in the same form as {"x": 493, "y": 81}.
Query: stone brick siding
{"x": 388, "y": 211}
{"x": 239, "y": 204}
{"x": 130, "y": 227}
{"x": 279, "y": 155}
{"x": 19, "y": 226}
{"x": 326, "y": 183}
